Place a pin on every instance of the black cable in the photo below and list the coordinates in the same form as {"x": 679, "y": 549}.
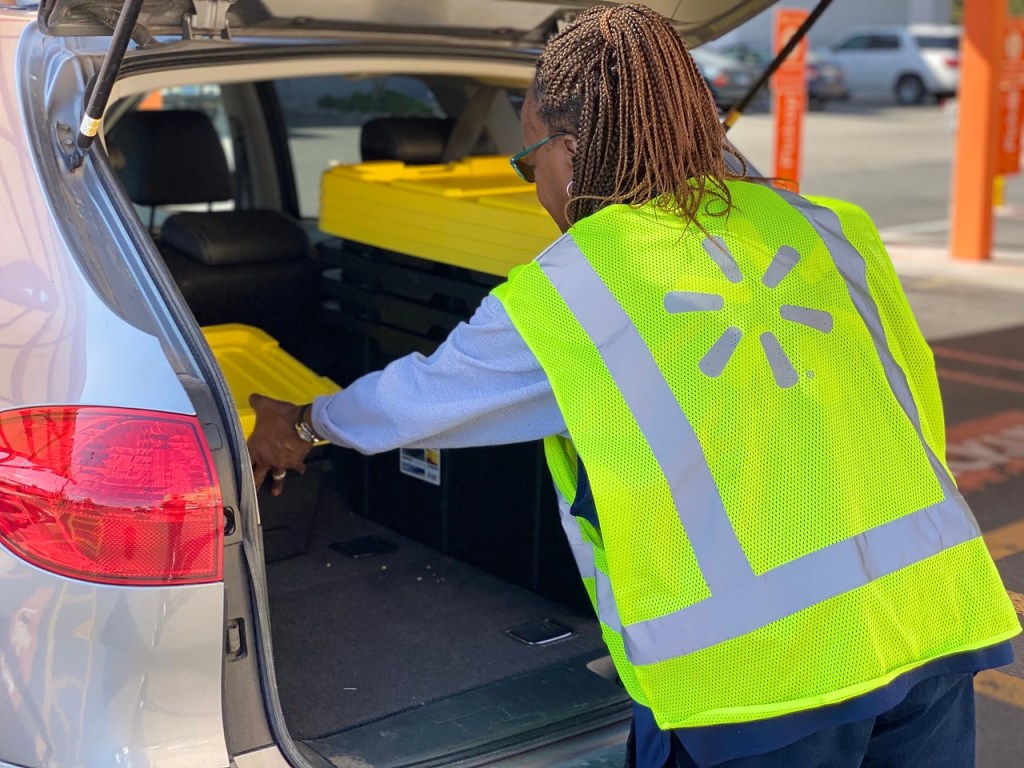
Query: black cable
{"x": 737, "y": 109}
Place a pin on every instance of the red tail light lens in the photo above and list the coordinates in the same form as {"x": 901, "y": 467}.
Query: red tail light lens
{"x": 952, "y": 62}
{"x": 721, "y": 80}
{"x": 110, "y": 495}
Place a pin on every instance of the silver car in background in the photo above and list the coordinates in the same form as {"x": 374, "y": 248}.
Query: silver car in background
{"x": 728, "y": 78}
{"x": 909, "y": 63}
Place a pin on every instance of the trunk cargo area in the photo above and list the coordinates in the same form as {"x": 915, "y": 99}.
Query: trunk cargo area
{"x": 402, "y": 654}
{"x": 392, "y": 598}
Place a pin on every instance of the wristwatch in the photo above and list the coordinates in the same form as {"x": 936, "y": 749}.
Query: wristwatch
{"x": 304, "y": 426}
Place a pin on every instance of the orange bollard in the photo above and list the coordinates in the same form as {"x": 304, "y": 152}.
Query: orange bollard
{"x": 977, "y": 141}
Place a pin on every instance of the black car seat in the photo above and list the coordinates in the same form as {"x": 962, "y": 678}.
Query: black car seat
{"x": 252, "y": 266}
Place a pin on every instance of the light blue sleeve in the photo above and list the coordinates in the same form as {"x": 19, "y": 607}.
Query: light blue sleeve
{"x": 482, "y": 386}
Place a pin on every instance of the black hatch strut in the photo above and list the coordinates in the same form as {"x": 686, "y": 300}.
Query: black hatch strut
{"x": 97, "y": 103}
{"x": 210, "y": 19}
{"x": 737, "y": 109}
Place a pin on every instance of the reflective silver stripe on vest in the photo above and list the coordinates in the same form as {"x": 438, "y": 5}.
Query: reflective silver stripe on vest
{"x": 583, "y": 554}
{"x": 852, "y": 267}
{"x": 800, "y": 583}
{"x": 582, "y": 551}
{"x": 664, "y": 425}
{"x": 607, "y": 610}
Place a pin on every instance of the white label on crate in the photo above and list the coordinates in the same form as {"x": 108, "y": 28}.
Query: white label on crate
{"x": 421, "y": 463}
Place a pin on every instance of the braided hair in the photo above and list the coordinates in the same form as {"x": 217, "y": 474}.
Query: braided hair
{"x": 621, "y": 80}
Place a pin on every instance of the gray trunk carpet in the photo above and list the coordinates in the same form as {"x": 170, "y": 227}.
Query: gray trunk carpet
{"x": 356, "y": 640}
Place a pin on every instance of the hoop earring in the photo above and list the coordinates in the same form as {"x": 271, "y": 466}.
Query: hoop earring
{"x": 568, "y": 187}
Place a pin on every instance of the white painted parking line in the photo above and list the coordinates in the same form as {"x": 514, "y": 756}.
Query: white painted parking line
{"x": 917, "y": 228}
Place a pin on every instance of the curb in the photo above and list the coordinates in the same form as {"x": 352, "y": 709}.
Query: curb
{"x": 1004, "y": 271}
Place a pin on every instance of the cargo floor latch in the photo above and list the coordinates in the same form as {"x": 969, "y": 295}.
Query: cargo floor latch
{"x": 209, "y": 20}
{"x": 235, "y": 645}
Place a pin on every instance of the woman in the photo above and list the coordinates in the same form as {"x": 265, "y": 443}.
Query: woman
{"x": 742, "y": 422}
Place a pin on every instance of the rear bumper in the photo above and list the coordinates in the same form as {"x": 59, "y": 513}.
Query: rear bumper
{"x": 828, "y": 91}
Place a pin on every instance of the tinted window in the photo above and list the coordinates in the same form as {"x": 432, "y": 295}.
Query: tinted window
{"x": 945, "y": 43}
{"x": 324, "y": 118}
{"x": 884, "y": 42}
{"x": 858, "y": 43}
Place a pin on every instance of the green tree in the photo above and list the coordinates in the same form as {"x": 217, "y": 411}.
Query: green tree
{"x": 1016, "y": 8}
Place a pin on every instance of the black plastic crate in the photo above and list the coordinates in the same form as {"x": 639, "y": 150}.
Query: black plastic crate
{"x": 495, "y": 507}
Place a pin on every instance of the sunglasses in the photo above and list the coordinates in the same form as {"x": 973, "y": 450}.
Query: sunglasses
{"x": 525, "y": 170}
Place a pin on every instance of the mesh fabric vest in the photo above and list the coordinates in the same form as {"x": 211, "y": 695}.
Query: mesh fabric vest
{"x": 760, "y": 425}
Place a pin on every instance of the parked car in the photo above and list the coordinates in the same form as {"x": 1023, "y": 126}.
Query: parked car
{"x": 156, "y": 609}
{"x": 911, "y": 62}
{"x": 826, "y": 79}
{"x": 729, "y": 79}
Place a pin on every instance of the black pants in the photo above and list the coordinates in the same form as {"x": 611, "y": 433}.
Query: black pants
{"x": 933, "y": 727}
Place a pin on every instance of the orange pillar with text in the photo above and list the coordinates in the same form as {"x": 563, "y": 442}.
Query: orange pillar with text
{"x": 977, "y": 140}
{"x": 789, "y": 98}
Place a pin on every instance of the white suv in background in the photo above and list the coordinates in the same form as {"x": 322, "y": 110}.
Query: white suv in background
{"x": 910, "y": 62}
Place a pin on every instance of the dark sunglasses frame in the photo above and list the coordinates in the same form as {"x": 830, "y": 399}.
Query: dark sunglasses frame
{"x": 525, "y": 171}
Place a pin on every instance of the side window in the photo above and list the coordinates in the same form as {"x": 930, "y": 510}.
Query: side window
{"x": 324, "y": 117}
{"x": 885, "y": 42}
{"x": 856, "y": 43}
{"x": 937, "y": 42}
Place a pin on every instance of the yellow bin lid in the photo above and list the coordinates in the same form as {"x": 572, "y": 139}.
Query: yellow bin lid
{"x": 474, "y": 213}
{"x": 253, "y": 361}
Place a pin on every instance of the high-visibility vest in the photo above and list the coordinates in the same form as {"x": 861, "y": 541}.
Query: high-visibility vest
{"x": 759, "y": 422}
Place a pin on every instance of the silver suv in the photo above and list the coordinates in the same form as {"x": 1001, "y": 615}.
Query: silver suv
{"x": 910, "y": 62}
{"x": 161, "y": 254}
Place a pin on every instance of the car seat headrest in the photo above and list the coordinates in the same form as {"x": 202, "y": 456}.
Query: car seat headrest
{"x": 413, "y": 140}
{"x": 231, "y": 238}
{"x": 171, "y": 157}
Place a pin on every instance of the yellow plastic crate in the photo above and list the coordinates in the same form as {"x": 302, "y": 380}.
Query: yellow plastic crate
{"x": 475, "y": 213}
{"x": 252, "y": 361}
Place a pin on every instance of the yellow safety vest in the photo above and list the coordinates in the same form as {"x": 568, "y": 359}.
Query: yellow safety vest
{"x": 760, "y": 424}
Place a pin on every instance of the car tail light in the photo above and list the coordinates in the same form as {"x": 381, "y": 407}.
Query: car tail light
{"x": 110, "y": 495}
{"x": 952, "y": 62}
{"x": 721, "y": 79}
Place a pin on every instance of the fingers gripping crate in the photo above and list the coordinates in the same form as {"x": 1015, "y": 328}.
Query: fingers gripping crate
{"x": 252, "y": 361}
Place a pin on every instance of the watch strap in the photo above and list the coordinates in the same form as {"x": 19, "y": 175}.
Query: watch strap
{"x": 304, "y": 426}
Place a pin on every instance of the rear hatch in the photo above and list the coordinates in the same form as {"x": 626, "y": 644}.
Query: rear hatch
{"x": 517, "y": 22}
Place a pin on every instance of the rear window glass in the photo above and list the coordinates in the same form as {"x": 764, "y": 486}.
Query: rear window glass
{"x": 328, "y": 118}
{"x": 324, "y": 117}
{"x": 946, "y": 43}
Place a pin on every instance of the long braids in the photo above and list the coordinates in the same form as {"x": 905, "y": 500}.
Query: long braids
{"x": 622, "y": 81}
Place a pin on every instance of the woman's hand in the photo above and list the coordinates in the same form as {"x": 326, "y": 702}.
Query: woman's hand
{"x": 274, "y": 446}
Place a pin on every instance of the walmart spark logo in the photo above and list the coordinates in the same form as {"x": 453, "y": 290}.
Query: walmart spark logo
{"x": 716, "y": 358}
